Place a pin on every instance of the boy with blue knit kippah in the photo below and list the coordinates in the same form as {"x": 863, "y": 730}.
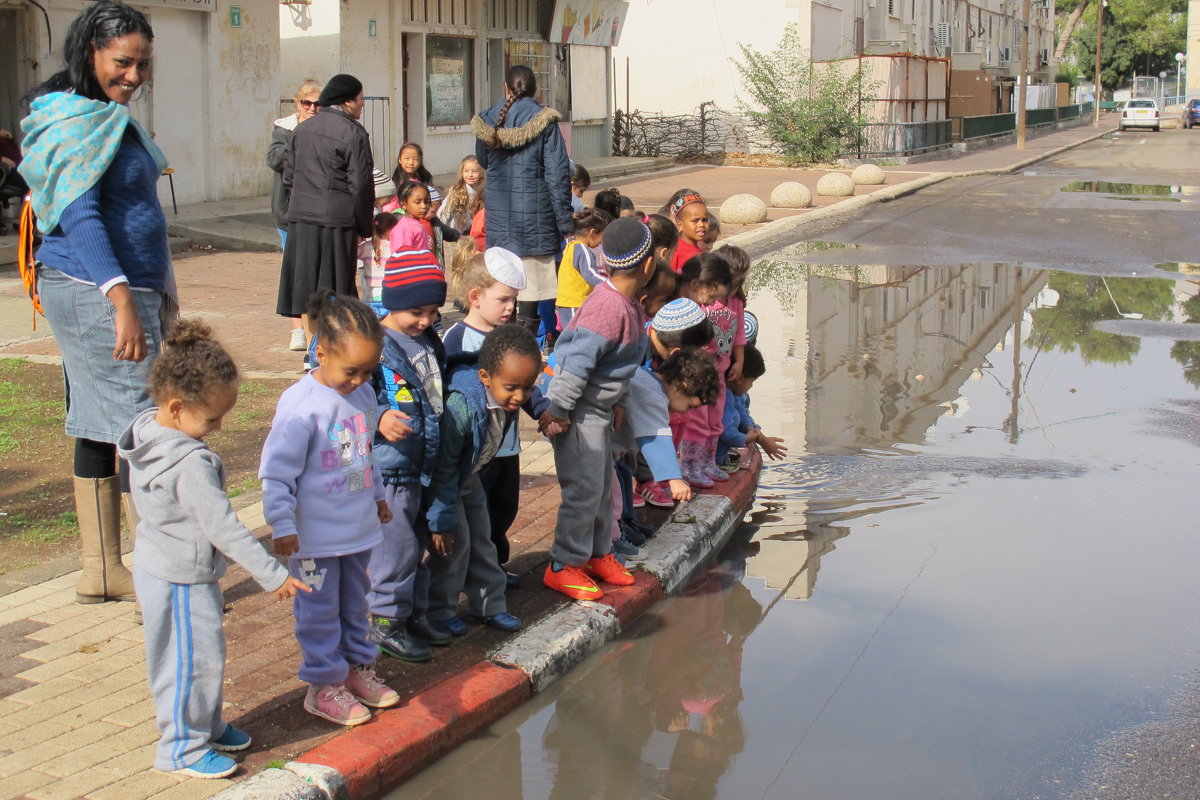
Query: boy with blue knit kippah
{"x": 596, "y": 357}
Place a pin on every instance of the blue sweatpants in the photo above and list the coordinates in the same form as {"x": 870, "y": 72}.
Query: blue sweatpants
{"x": 399, "y": 577}
{"x": 331, "y": 620}
{"x": 185, "y": 659}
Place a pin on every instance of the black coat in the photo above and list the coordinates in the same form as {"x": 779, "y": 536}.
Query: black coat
{"x": 328, "y": 175}
{"x": 277, "y": 158}
{"x": 528, "y": 196}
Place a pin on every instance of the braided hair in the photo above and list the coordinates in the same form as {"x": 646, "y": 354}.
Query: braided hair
{"x": 520, "y": 82}
{"x": 337, "y": 318}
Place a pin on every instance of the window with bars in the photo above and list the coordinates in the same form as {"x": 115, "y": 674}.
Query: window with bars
{"x": 514, "y": 15}
{"x": 436, "y": 12}
{"x": 536, "y": 56}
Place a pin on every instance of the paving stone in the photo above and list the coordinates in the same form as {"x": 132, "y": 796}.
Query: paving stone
{"x": 132, "y": 714}
{"x": 83, "y": 758}
{"x": 49, "y": 652}
{"x": 75, "y": 786}
{"x": 140, "y": 735}
{"x": 24, "y": 783}
{"x": 88, "y": 734}
{"x": 139, "y": 786}
{"x": 133, "y": 760}
{"x": 27, "y": 758}
{"x": 32, "y": 734}
{"x": 57, "y": 667}
{"x": 94, "y": 711}
{"x": 194, "y": 790}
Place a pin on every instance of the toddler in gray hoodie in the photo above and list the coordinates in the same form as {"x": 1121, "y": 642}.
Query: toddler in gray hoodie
{"x": 187, "y": 528}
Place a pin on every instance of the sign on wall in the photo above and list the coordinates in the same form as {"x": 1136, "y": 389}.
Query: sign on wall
{"x": 594, "y": 22}
{"x": 450, "y": 73}
{"x": 187, "y": 5}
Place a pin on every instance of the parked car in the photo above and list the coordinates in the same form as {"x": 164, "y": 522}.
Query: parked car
{"x": 1140, "y": 113}
{"x": 1191, "y": 114}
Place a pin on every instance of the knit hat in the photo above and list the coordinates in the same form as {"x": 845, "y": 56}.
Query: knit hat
{"x": 505, "y": 267}
{"x": 678, "y": 315}
{"x": 750, "y": 326}
{"x": 340, "y": 89}
{"x": 435, "y": 196}
{"x": 383, "y": 184}
{"x": 412, "y": 278}
{"x": 626, "y": 244}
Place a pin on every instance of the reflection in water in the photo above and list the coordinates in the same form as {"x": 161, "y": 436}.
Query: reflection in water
{"x": 1127, "y": 191}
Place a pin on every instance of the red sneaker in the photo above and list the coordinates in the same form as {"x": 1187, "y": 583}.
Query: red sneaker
{"x": 573, "y": 582}
{"x": 656, "y": 494}
{"x": 609, "y": 570}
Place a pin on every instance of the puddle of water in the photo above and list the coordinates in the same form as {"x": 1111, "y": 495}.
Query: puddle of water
{"x": 1128, "y": 191}
{"x": 972, "y": 569}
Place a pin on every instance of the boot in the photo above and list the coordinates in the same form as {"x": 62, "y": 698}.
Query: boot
{"x": 531, "y": 324}
{"x": 132, "y": 518}
{"x": 709, "y": 463}
{"x": 690, "y": 464}
{"x": 98, "y": 504}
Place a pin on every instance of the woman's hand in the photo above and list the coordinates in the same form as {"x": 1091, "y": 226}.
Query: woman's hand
{"x": 131, "y": 336}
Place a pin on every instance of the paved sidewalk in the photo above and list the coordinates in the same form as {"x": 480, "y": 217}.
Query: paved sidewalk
{"x": 75, "y": 714}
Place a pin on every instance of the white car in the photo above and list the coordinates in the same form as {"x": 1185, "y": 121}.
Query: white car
{"x": 1140, "y": 113}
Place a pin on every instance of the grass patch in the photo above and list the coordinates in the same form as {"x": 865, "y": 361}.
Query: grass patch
{"x": 19, "y": 411}
{"x": 49, "y": 530}
{"x": 275, "y": 763}
{"x": 246, "y": 484}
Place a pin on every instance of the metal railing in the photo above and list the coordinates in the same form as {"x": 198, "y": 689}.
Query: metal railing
{"x": 901, "y": 138}
{"x": 376, "y": 118}
{"x": 1037, "y": 117}
{"x": 988, "y": 125}
{"x": 1069, "y": 112}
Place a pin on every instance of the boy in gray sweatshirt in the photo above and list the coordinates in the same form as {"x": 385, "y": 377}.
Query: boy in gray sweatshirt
{"x": 187, "y": 528}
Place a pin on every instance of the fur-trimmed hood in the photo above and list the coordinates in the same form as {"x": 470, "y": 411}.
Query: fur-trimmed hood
{"x": 526, "y": 120}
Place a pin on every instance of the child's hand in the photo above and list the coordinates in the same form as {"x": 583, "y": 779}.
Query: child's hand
{"x": 753, "y": 436}
{"x": 443, "y": 543}
{"x": 734, "y": 373}
{"x": 385, "y": 513}
{"x": 680, "y": 491}
{"x": 772, "y": 446}
{"x": 290, "y": 587}
{"x": 286, "y": 545}
{"x": 546, "y": 420}
{"x": 392, "y": 427}
{"x": 618, "y": 413}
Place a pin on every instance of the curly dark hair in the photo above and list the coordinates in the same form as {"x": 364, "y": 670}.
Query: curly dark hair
{"x": 505, "y": 339}
{"x": 94, "y": 28}
{"x": 691, "y": 371}
{"x": 337, "y": 317}
{"x": 590, "y": 219}
{"x": 191, "y": 365}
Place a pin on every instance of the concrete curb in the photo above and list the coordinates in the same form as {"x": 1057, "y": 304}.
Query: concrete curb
{"x": 370, "y": 760}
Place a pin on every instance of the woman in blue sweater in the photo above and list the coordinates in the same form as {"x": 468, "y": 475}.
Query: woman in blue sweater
{"x": 104, "y": 266}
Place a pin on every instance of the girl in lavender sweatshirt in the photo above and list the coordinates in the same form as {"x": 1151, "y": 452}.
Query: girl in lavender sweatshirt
{"x": 323, "y": 498}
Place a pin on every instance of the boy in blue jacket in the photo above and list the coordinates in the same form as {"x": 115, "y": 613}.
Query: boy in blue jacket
{"x": 740, "y": 429}
{"x": 483, "y": 397}
{"x": 408, "y": 389}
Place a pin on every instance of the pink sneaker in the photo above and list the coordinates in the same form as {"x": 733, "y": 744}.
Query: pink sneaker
{"x": 365, "y": 686}
{"x": 637, "y": 501}
{"x": 335, "y": 704}
{"x": 656, "y": 494}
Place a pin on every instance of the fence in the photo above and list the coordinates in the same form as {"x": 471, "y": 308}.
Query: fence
{"x": 710, "y": 130}
{"x": 1000, "y": 124}
{"x": 376, "y": 118}
{"x": 901, "y": 138}
{"x": 988, "y": 125}
{"x": 1037, "y": 117}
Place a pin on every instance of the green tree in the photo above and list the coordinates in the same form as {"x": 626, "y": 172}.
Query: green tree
{"x": 810, "y": 112}
{"x": 1187, "y": 353}
{"x": 1140, "y": 36}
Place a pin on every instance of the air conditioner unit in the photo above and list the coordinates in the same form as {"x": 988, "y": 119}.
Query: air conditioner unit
{"x": 943, "y": 34}
{"x": 987, "y": 57}
{"x": 1006, "y": 54}
{"x": 1044, "y": 56}
{"x": 912, "y": 28}
{"x": 979, "y": 46}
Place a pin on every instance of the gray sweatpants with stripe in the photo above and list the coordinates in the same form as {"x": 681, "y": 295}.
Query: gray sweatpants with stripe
{"x": 583, "y": 461}
{"x": 185, "y": 658}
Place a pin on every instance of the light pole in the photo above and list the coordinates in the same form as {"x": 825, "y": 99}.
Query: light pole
{"x": 1180, "y": 72}
{"x": 1099, "y": 38}
{"x": 1024, "y": 76}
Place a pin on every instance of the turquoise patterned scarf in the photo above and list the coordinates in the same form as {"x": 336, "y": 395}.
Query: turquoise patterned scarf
{"x": 68, "y": 145}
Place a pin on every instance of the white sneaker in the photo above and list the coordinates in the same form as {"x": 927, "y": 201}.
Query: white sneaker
{"x": 298, "y": 341}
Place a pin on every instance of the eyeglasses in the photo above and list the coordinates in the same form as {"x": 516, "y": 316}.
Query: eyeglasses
{"x": 307, "y": 103}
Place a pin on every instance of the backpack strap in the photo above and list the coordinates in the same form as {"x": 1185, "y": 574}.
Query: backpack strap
{"x": 25, "y": 260}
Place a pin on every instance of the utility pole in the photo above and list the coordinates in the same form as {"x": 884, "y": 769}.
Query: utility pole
{"x": 1024, "y": 76}
{"x": 1099, "y": 37}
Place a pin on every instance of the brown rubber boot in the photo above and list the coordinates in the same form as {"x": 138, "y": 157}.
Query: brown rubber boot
{"x": 132, "y": 518}
{"x": 98, "y": 504}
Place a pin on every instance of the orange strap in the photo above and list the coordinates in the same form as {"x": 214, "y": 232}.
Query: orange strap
{"x": 25, "y": 262}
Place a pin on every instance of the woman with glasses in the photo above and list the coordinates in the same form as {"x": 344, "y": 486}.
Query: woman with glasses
{"x": 281, "y": 141}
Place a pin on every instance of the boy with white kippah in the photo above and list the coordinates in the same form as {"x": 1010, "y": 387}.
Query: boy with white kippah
{"x": 596, "y": 358}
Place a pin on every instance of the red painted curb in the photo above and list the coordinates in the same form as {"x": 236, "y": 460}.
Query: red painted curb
{"x": 630, "y": 602}
{"x": 742, "y": 485}
{"x": 376, "y": 757}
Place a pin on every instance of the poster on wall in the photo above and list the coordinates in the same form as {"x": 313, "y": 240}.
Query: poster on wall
{"x": 449, "y": 71}
{"x": 594, "y": 22}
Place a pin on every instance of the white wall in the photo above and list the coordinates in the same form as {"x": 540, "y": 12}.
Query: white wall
{"x": 679, "y": 51}
{"x": 309, "y": 44}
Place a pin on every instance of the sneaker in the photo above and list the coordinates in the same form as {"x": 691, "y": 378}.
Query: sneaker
{"x": 503, "y": 621}
{"x": 656, "y": 494}
{"x": 637, "y": 501}
{"x": 646, "y": 531}
{"x": 233, "y": 740}
{"x": 391, "y": 638}
{"x": 624, "y": 546}
{"x": 335, "y": 704}
{"x": 631, "y": 533}
{"x": 364, "y": 684}
{"x": 306, "y": 365}
{"x": 210, "y": 765}
{"x": 420, "y": 627}
{"x": 609, "y": 570}
{"x": 571, "y": 581}
{"x": 512, "y": 580}
{"x": 453, "y": 626}
{"x": 297, "y": 342}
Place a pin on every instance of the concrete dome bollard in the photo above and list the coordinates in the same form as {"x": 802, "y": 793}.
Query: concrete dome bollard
{"x": 743, "y": 209}
{"x": 791, "y": 194}
{"x": 835, "y": 184}
{"x": 867, "y": 175}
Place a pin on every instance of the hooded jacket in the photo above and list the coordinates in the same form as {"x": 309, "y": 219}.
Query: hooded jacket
{"x": 187, "y": 526}
{"x": 277, "y": 158}
{"x": 528, "y": 196}
{"x": 328, "y": 173}
{"x": 397, "y": 385}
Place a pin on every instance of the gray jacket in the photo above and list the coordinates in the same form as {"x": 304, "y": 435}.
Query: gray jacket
{"x": 277, "y": 158}
{"x": 328, "y": 174}
{"x": 187, "y": 526}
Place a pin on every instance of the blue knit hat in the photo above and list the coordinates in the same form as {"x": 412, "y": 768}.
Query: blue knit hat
{"x": 412, "y": 278}
{"x": 750, "y": 327}
{"x": 678, "y": 315}
{"x": 626, "y": 243}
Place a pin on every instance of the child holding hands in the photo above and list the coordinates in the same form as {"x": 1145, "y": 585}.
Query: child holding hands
{"x": 324, "y": 500}
{"x": 187, "y": 529}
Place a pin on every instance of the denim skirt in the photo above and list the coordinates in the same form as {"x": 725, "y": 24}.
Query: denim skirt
{"x": 103, "y": 394}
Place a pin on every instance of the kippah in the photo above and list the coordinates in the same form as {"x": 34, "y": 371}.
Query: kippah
{"x": 435, "y": 196}
{"x": 506, "y": 267}
{"x": 750, "y": 326}
{"x": 626, "y": 244}
{"x": 679, "y": 315}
